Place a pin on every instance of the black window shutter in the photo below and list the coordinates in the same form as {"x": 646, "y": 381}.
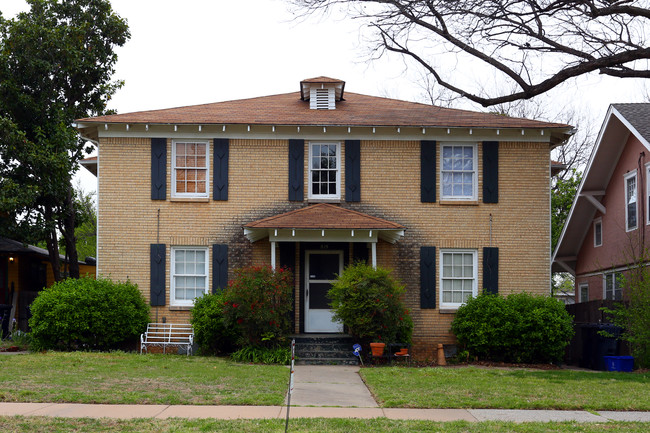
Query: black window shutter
{"x": 158, "y": 168}
{"x": 428, "y": 171}
{"x": 427, "y": 277}
{"x": 296, "y": 169}
{"x": 219, "y": 267}
{"x": 352, "y": 170}
{"x": 220, "y": 175}
{"x": 157, "y": 275}
{"x": 490, "y": 172}
{"x": 491, "y": 270}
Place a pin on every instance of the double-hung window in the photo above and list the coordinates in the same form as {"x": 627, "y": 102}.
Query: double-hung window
{"x": 325, "y": 170}
{"x": 584, "y": 292}
{"x": 189, "y": 274}
{"x": 613, "y": 289}
{"x": 458, "y": 277}
{"x": 190, "y": 168}
{"x": 598, "y": 232}
{"x": 630, "y": 201}
{"x": 458, "y": 174}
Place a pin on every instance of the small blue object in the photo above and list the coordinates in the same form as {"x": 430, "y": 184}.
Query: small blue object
{"x": 357, "y": 349}
{"x": 619, "y": 363}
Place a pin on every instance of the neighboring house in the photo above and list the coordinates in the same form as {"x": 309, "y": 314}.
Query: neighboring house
{"x": 24, "y": 271}
{"x": 454, "y": 201}
{"x": 608, "y": 223}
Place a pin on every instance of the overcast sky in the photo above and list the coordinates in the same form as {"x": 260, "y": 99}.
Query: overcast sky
{"x": 200, "y": 51}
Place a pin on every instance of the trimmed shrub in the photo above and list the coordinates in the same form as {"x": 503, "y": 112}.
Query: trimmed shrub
{"x": 519, "y": 328}
{"x": 88, "y": 314}
{"x": 211, "y": 333}
{"x": 368, "y": 302}
{"x": 258, "y": 303}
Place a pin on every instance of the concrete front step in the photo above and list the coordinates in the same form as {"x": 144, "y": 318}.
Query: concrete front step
{"x": 325, "y": 349}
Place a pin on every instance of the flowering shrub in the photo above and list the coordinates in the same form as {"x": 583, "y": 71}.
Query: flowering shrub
{"x": 258, "y": 302}
{"x": 368, "y": 301}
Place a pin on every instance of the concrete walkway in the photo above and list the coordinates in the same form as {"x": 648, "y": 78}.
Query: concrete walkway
{"x": 319, "y": 392}
{"x": 126, "y": 411}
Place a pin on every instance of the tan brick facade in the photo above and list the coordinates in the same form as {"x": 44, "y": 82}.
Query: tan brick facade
{"x": 129, "y": 221}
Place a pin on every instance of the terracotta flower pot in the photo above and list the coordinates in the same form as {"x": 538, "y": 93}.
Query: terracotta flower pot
{"x": 377, "y": 348}
{"x": 402, "y": 352}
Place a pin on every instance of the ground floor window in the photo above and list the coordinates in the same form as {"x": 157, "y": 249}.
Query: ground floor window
{"x": 613, "y": 288}
{"x": 458, "y": 277}
{"x": 189, "y": 274}
{"x": 584, "y": 292}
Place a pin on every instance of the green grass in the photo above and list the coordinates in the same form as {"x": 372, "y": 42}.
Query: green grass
{"x": 471, "y": 387}
{"x": 128, "y": 378}
{"x": 41, "y": 424}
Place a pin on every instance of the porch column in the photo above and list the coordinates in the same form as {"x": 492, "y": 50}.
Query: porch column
{"x": 273, "y": 255}
{"x": 374, "y": 254}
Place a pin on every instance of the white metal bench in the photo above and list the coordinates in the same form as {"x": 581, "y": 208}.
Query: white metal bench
{"x": 168, "y": 334}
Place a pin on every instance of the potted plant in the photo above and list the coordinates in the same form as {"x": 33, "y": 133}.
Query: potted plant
{"x": 368, "y": 302}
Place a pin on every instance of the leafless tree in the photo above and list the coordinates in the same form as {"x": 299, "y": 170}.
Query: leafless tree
{"x": 532, "y": 46}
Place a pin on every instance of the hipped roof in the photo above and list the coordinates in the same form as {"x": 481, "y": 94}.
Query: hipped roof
{"x": 356, "y": 110}
{"x": 324, "y": 216}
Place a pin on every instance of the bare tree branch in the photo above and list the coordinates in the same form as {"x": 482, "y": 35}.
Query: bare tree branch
{"x": 533, "y": 45}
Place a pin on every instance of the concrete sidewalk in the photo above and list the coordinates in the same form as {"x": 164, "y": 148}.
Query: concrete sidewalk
{"x": 319, "y": 392}
{"x": 120, "y": 411}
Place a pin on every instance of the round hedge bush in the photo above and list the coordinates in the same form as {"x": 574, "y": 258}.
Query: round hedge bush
{"x": 211, "y": 332}
{"x": 88, "y": 314}
{"x": 519, "y": 328}
{"x": 369, "y": 303}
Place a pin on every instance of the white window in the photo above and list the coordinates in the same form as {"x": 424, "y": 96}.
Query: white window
{"x": 613, "y": 289}
{"x": 458, "y": 174}
{"x": 189, "y": 274}
{"x": 630, "y": 201}
{"x": 584, "y": 292}
{"x": 190, "y": 169}
{"x": 598, "y": 232}
{"x": 458, "y": 277}
{"x": 325, "y": 170}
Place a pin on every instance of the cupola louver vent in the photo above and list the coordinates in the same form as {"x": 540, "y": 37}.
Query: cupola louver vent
{"x": 322, "y": 98}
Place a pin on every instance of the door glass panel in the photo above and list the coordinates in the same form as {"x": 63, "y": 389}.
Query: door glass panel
{"x": 318, "y": 299}
{"x": 323, "y": 266}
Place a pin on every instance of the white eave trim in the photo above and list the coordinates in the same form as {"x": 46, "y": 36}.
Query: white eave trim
{"x": 323, "y": 235}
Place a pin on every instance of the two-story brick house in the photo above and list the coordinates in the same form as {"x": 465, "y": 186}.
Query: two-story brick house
{"x": 454, "y": 201}
{"x": 610, "y": 217}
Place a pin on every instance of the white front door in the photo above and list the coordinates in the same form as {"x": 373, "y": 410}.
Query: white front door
{"x": 320, "y": 272}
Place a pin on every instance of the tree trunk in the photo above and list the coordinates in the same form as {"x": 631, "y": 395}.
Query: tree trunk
{"x": 68, "y": 235}
{"x": 53, "y": 248}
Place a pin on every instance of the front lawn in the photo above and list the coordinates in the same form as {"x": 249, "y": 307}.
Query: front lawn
{"x": 128, "y": 378}
{"x": 472, "y": 387}
{"x": 47, "y": 425}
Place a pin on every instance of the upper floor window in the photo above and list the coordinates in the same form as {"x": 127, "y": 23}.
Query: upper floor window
{"x": 458, "y": 277}
{"x": 598, "y": 232}
{"x": 325, "y": 170}
{"x": 459, "y": 176}
{"x": 613, "y": 288}
{"x": 190, "y": 169}
{"x": 189, "y": 274}
{"x": 630, "y": 201}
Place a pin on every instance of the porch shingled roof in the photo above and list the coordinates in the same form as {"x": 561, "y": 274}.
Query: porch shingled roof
{"x": 324, "y": 216}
